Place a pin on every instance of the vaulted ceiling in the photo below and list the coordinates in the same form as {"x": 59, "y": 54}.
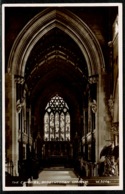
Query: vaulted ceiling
{"x": 56, "y": 63}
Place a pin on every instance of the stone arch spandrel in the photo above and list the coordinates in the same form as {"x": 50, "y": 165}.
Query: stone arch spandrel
{"x": 67, "y": 22}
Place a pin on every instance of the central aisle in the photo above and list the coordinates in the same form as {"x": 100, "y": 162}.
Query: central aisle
{"x": 56, "y": 176}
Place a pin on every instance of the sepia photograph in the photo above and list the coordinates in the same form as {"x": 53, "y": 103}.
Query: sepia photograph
{"x": 62, "y": 97}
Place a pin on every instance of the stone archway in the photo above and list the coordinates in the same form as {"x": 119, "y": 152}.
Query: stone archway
{"x": 86, "y": 41}
{"x": 41, "y": 24}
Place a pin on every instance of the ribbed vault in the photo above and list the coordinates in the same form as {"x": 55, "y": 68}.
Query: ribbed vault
{"x": 43, "y": 23}
{"x": 55, "y": 53}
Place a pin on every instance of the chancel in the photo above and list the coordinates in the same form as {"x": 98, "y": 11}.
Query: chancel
{"x": 61, "y": 96}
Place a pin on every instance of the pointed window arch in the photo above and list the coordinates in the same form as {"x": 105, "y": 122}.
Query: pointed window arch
{"x": 57, "y": 120}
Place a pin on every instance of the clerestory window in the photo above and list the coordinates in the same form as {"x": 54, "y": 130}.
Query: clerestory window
{"x": 57, "y": 120}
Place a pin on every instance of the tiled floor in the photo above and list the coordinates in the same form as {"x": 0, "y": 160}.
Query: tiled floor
{"x": 56, "y": 177}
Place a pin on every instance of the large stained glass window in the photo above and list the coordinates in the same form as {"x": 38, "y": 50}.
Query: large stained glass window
{"x": 57, "y": 120}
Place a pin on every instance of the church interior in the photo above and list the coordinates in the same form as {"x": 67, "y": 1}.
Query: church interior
{"x": 61, "y": 94}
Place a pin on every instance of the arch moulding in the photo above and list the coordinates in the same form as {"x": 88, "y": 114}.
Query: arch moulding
{"x": 67, "y": 22}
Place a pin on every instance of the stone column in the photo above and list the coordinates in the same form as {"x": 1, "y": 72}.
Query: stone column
{"x": 102, "y": 128}
{"x": 30, "y": 132}
{"x": 11, "y": 122}
{"x": 94, "y": 120}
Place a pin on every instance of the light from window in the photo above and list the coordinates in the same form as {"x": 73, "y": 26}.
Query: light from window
{"x": 57, "y": 120}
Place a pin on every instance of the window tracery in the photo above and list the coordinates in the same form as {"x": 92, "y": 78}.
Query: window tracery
{"x": 57, "y": 120}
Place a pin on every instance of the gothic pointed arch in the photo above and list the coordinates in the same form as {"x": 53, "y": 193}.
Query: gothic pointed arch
{"x": 66, "y": 21}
